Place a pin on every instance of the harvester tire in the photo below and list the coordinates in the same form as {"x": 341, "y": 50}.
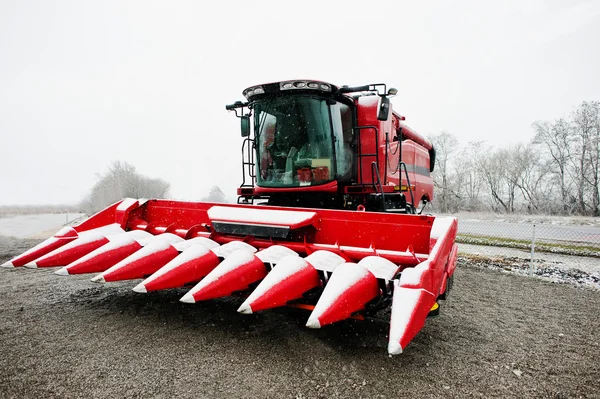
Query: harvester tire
{"x": 449, "y": 283}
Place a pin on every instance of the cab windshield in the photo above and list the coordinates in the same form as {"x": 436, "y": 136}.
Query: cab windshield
{"x": 302, "y": 141}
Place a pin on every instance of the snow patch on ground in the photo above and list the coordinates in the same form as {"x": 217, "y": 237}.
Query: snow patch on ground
{"x": 556, "y": 273}
{"x": 584, "y": 263}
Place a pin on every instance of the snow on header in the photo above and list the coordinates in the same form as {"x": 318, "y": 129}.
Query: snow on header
{"x": 126, "y": 203}
{"x": 380, "y": 267}
{"x": 262, "y": 216}
{"x": 274, "y": 254}
{"x": 441, "y": 226}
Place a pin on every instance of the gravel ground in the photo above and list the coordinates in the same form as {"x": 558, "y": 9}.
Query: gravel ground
{"x": 498, "y": 335}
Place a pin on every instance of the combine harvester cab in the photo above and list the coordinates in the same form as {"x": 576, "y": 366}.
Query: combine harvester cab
{"x": 338, "y": 264}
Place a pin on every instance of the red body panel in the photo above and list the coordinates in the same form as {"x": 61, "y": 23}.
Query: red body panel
{"x": 107, "y": 216}
{"x": 187, "y": 272}
{"x": 238, "y": 279}
{"x": 414, "y": 150}
{"x": 410, "y": 308}
{"x": 379, "y": 231}
{"x": 40, "y": 250}
{"x": 134, "y": 267}
{"x": 71, "y": 252}
{"x": 289, "y": 289}
{"x": 349, "y": 295}
{"x": 104, "y": 260}
{"x": 331, "y": 187}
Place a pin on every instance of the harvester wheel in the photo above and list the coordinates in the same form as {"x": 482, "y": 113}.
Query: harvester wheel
{"x": 449, "y": 283}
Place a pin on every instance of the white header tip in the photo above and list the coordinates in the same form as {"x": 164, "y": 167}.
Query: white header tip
{"x": 8, "y": 264}
{"x": 31, "y": 265}
{"x": 63, "y": 271}
{"x": 141, "y": 288}
{"x": 98, "y": 279}
{"x": 394, "y": 348}
{"x": 245, "y": 309}
{"x": 188, "y": 298}
{"x": 313, "y": 322}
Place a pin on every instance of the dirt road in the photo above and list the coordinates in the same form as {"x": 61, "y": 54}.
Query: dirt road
{"x": 499, "y": 335}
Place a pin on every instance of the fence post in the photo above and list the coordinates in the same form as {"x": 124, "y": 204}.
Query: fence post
{"x": 532, "y": 251}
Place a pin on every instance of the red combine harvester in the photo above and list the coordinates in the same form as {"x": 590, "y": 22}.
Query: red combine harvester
{"x": 329, "y": 218}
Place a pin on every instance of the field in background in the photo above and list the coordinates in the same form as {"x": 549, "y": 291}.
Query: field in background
{"x": 35, "y": 225}
{"x": 16, "y": 210}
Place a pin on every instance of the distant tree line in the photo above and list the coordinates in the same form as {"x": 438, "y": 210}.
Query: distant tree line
{"x": 557, "y": 172}
{"x": 121, "y": 180}
{"x": 215, "y": 195}
{"x": 11, "y": 210}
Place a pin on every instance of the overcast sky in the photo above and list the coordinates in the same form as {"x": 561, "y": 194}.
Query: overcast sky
{"x": 83, "y": 83}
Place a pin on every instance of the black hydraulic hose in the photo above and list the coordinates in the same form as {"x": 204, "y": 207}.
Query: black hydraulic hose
{"x": 373, "y": 174}
{"x": 412, "y": 197}
{"x": 387, "y": 142}
{"x": 332, "y": 137}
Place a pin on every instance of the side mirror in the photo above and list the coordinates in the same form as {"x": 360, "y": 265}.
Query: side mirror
{"x": 384, "y": 109}
{"x": 245, "y": 125}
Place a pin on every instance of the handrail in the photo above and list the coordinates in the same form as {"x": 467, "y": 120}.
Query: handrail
{"x": 360, "y": 155}
{"x": 412, "y": 196}
{"x": 248, "y": 160}
{"x": 375, "y": 168}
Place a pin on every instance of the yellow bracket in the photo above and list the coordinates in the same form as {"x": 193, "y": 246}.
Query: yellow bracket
{"x": 435, "y": 310}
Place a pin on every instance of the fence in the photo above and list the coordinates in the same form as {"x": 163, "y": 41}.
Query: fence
{"x": 568, "y": 243}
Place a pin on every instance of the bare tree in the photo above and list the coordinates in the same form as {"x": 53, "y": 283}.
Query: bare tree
{"x": 468, "y": 176}
{"x": 585, "y": 160}
{"x": 446, "y": 145}
{"x": 557, "y": 172}
{"x": 587, "y": 122}
{"x": 529, "y": 172}
{"x": 502, "y": 171}
{"x": 595, "y": 159}
{"x": 215, "y": 195}
{"x": 555, "y": 138}
{"x": 121, "y": 181}
{"x": 493, "y": 175}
